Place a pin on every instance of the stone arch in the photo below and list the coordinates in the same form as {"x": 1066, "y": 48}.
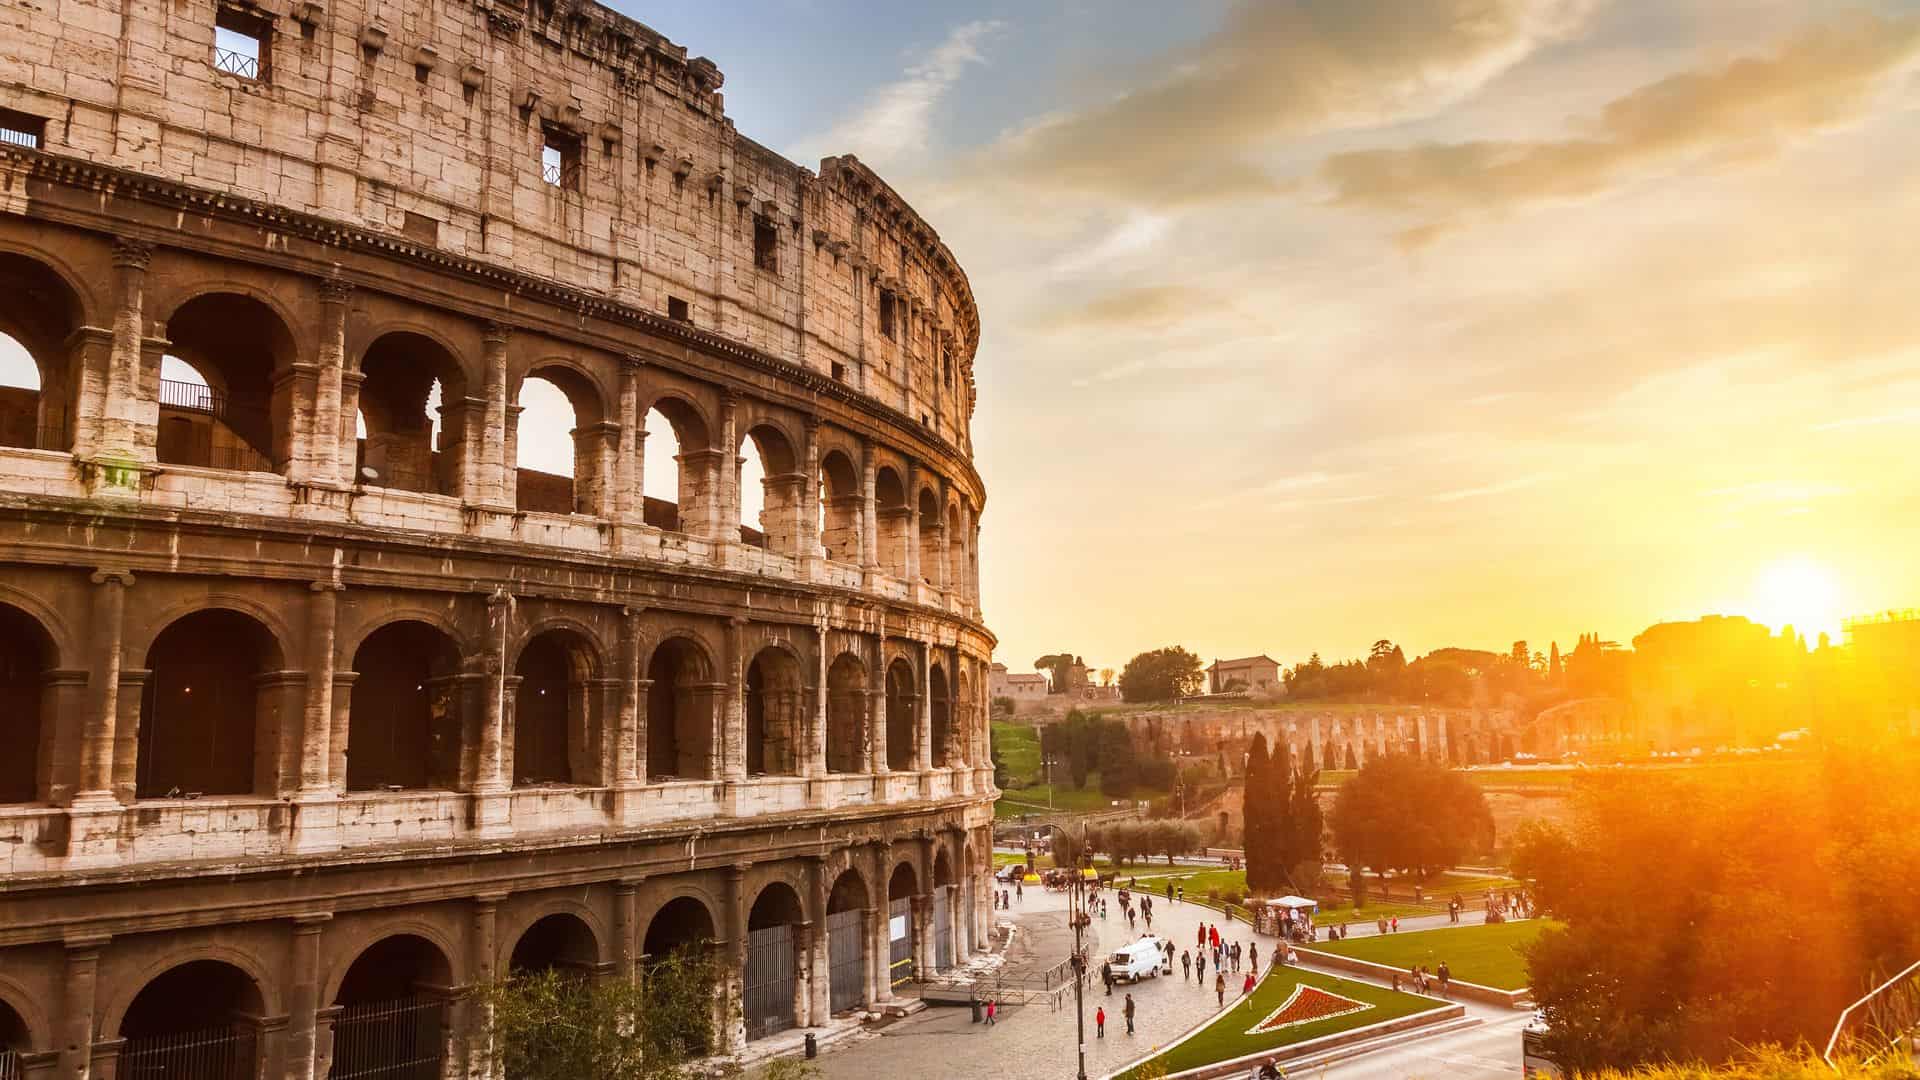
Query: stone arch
{"x": 393, "y": 1003}
{"x": 586, "y": 486}
{"x": 59, "y": 632}
{"x": 20, "y": 1031}
{"x": 776, "y": 710}
{"x": 776, "y": 904}
{"x": 405, "y": 372}
{"x": 557, "y": 712}
{"x": 942, "y": 867}
{"x": 214, "y": 1004}
{"x": 847, "y": 714}
{"x": 904, "y": 881}
{"x": 27, "y": 654}
{"x": 349, "y": 640}
{"x": 404, "y": 710}
{"x": 940, "y": 715}
{"x": 933, "y": 552}
{"x": 677, "y": 428}
{"x": 42, "y": 307}
{"x": 681, "y": 710}
{"x": 449, "y": 971}
{"x": 241, "y": 343}
{"x": 841, "y": 504}
{"x": 210, "y": 702}
{"x": 774, "y": 510}
{"x": 967, "y": 724}
{"x": 682, "y": 921}
{"x": 891, "y": 515}
{"x": 560, "y": 940}
{"x": 958, "y": 577}
{"x": 903, "y": 728}
{"x": 849, "y": 892}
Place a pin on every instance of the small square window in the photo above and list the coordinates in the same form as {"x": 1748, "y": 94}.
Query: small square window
{"x": 240, "y": 43}
{"x": 677, "y": 310}
{"x": 22, "y": 129}
{"x": 766, "y": 245}
{"x": 840, "y": 372}
{"x": 560, "y": 159}
{"x": 887, "y": 314}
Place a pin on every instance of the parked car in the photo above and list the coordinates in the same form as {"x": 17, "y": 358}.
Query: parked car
{"x": 1140, "y": 960}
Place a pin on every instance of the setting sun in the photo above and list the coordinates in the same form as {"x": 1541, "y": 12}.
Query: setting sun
{"x": 1798, "y": 592}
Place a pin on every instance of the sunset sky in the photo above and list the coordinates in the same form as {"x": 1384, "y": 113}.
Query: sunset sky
{"x": 1448, "y": 321}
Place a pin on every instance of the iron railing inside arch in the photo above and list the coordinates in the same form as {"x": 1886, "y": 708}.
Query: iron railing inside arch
{"x": 191, "y": 395}
{"x": 9, "y": 1065}
{"x": 225, "y": 1053}
{"x": 401, "y": 1039}
{"x": 236, "y": 63}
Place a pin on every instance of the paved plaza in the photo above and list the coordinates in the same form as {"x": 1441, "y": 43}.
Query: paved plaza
{"x": 1038, "y": 1041}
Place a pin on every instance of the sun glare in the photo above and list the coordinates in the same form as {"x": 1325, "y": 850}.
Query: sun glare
{"x": 1799, "y": 592}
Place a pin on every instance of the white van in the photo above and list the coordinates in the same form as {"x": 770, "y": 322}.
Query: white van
{"x": 1140, "y": 960}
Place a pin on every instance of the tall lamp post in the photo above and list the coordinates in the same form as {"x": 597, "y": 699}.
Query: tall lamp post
{"x": 1077, "y": 915}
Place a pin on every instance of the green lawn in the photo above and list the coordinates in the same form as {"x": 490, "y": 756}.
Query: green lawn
{"x": 1019, "y": 747}
{"x": 1226, "y": 1037}
{"x": 1488, "y": 955}
{"x": 1033, "y": 800}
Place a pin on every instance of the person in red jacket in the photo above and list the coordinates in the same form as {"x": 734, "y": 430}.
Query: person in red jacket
{"x": 1100, "y": 1022}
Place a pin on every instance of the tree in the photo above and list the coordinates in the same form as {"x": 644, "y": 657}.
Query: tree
{"x": 1256, "y": 815}
{"x": 1057, "y": 665}
{"x": 1116, "y": 758}
{"x": 999, "y": 766}
{"x": 1406, "y": 814}
{"x": 1106, "y": 676}
{"x": 1160, "y": 675}
{"x": 553, "y": 1025}
{"x": 1003, "y": 707}
{"x": 1305, "y": 825}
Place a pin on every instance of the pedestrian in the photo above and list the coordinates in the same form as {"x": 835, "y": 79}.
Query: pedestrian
{"x": 1100, "y": 1022}
{"x": 1201, "y": 941}
{"x": 1253, "y": 958}
{"x": 991, "y": 1005}
{"x": 1220, "y": 988}
{"x": 1396, "y": 924}
{"x": 1247, "y": 987}
{"x": 1236, "y": 956}
{"x": 1149, "y": 915}
{"x": 1180, "y": 893}
{"x": 1169, "y": 890}
{"x": 1186, "y": 965}
{"x": 1446, "y": 976}
{"x": 1128, "y": 1009}
{"x": 1200, "y": 967}
{"x": 1396, "y": 981}
{"x": 1018, "y": 894}
{"x": 1129, "y": 920}
{"x": 1106, "y": 976}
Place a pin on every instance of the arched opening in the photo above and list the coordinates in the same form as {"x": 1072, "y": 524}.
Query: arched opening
{"x": 563, "y": 447}
{"x": 403, "y": 721}
{"x": 15, "y": 1040}
{"x": 201, "y": 708}
{"x": 840, "y": 504}
{"x": 683, "y": 923}
{"x": 966, "y": 726}
{"x": 237, "y": 413}
{"x": 770, "y": 490}
{"x": 933, "y": 552}
{"x": 393, "y": 1012}
{"x": 776, "y": 712}
{"x": 901, "y": 733}
{"x": 770, "y": 985}
{"x": 38, "y": 354}
{"x": 902, "y": 885}
{"x": 958, "y": 577}
{"x": 677, "y": 951}
{"x": 847, "y": 715}
{"x": 199, "y": 1019}
{"x": 680, "y": 742}
{"x": 677, "y": 474}
{"x": 847, "y": 942}
{"x": 943, "y": 913}
{"x": 412, "y": 415}
{"x": 26, "y": 653}
{"x": 553, "y": 712}
{"x": 890, "y": 526}
{"x": 942, "y": 716}
{"x": 559, "y": 942}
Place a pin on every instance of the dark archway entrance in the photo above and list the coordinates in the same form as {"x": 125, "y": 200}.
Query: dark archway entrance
{"x": 679, "y": 713}
{"x": 943, "y": 896}
{"x": 847, "y": 943}
{"x": 683, "y": 929}
{"x": 40, "y": 312}
{"x": 775, "y": 714}
{"x": 847, "y": 715}
{"x": 25, "y": 655}
{"x": 393, "y": 1013}
{"x": 558, "y": 942}
{"x": 237, "y": 416}
{"x": 901, "y": 749}
{"x": 553, "y": 712}
{"x": 403, "y": 723}
{"x": 200, "y": 710}
{"x": 200, "y": 1019}
{"x": 941, "y": 706}
{"x": 770, "y": 987}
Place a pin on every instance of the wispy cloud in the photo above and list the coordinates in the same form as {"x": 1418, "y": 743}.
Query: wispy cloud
{"x": 895, "y": 122}
{"x": 1516, "y": 484}
{"x": 1745, "y": 110}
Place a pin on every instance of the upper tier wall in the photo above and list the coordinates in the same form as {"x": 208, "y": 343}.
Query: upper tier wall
{"x": 430, "y": 120}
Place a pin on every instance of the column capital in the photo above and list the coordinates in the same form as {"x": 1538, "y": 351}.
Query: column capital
{"x": 335, "y": 290}
{"x": 326, "y": 586}
{"x": 85, "y": 943}
{"x": 131, "y": 253}
{"x": 631, "y": 363}
{"x": 120, "y": 576}
{"x": 310, "y": 922}
{"x": 494, "y": 332}
{"x": 737, "y": 871}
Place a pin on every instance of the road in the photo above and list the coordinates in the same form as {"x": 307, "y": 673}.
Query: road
{"x": 1490, "y": 1051}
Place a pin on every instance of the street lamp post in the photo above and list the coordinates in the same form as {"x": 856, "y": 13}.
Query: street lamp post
{"x": 1077, "y": 915}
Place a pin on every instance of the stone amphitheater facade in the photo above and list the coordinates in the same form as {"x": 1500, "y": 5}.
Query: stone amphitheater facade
{"x": 317, "y": 710}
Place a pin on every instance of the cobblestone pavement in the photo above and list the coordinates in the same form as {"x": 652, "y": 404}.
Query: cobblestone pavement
{"x": 1036, "y": 1040}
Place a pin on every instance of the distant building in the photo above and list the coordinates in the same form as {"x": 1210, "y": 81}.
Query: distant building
{"x": 1255, "y": 674}
{"x": 1022, "y": 687}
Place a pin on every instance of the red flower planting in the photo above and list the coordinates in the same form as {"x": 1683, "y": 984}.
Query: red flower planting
{"x": 1305, "y": 1005}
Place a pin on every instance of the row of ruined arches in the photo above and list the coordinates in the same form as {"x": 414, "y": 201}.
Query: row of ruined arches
{"x": 215, "y": 686}
{"x": 387, "y": 999}
{"x": 225, "y": 393}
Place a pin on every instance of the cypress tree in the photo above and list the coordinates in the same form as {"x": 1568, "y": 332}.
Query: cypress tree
{"x": 1255, "y": 810}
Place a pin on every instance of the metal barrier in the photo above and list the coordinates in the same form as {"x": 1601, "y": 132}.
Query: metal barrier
{"x": 212, "y": 1054}
{"x": 401, "y": 1039}
{"x": 9, "y": 1065}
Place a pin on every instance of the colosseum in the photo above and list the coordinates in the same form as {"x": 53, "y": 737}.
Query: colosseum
{"x": 319, "y": 709}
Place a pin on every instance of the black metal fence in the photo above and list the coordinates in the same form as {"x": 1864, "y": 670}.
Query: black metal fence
{"x": 768, "y": 988}
{"x": 9, "y": 1065}
{"x": 236, "y": 63}
{"x": 225, "y": 1053}
{"x": 401, "y": 1039}
{"x": 191, "y": 395}
{"x": 846, "y": 960}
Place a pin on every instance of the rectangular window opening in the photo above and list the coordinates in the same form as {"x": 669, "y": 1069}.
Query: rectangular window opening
{"x": 840, "y": 372}
{"x": 677, "y": 310}
{"x": 886, "y": 314}
{"x": 23, "y": 129}
{"x": 766, "y": 245}
{"x": 560, "y": 159}
{"x": 240, "y": 44}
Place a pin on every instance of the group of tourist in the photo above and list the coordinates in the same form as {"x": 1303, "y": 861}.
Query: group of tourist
{"x": 1420, "y": 980}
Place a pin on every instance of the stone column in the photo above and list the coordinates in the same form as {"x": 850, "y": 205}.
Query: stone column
{"x": 490, "y": 781}
{"x": 923, "y": 711}
{"x": 923, "y": 965}
{"x": 510, "y": 459}
{"x": 725, "y": 505}
{"x": 293, "y": 390}
{"x": 482, "y": 956}
{"x": 819, "y": 1004}
{"x": 303, "y": 994}
{"x": 629, "y": 500}
{"x": 732, "y": 982}
{"x": 877, "y": 705}
{"x": 816, "y": 755}
{"x": 317, "y": 717}
{"x": 324, "y": 444}
{"x": 342, "y": 719}
{"x": 95, "y": 787}
{"x": 629, "y": 737}
{"x": 733, "y": 732}
{"x": 626, "y": 928}
{"x": 596, "y": 450}
{"x": 869, "y": 525}
{"x": 880, "y": 950}
{"x": 873, "y": 921}
{"x": 349, "y": 445}
{"x": 121, "y": 434}
{"x": 77, "y": 1004}
{"x": 495, "y": 460}
{"x": 914, "y": 554}
{"x": 807, "y": 533}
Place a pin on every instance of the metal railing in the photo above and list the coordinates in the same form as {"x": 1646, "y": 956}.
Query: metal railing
{"x": 189, "y": 395}
{"x": 30, "y": 140}
{"x": 212, "y": 1054}
{"x": 236, "y": 63}
{"x": 401, "y": 1039}
{"x": 9, "y": 1065}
